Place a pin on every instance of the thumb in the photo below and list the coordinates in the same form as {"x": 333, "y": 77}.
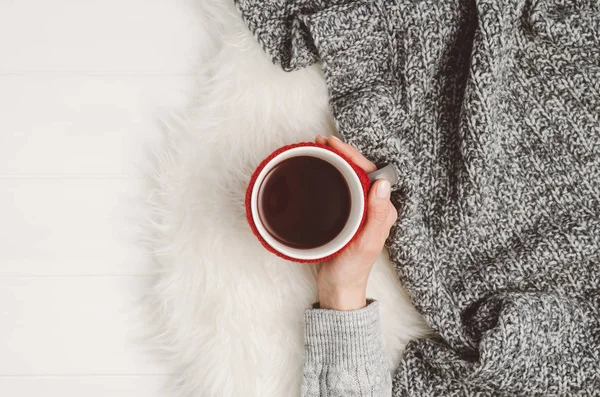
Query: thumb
{"x": 378, "y": 206}
{"x": 381, "y": 214}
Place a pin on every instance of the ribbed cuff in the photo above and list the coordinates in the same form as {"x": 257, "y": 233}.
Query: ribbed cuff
{"x": 344, "y": 338}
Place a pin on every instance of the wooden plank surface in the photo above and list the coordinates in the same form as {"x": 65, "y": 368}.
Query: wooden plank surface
{"x": 73, "y": 326}
{"x": 83, "y": 86}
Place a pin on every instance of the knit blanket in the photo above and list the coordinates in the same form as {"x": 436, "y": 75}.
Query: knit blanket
{"x": 490, "y": 110}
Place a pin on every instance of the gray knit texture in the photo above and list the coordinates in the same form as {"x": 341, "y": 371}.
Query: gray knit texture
{"x": 345, "y": 354}
{"x": 490, "y": 110}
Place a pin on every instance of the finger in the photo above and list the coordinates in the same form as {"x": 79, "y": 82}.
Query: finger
{"x": 320, "y": 140}
{"x": 379, "y": 217}
{"x": 352, "y": 154}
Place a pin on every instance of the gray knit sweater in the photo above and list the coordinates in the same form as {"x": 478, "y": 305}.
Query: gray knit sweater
{"x": 490, "y": 109}
{"x": 345, "y": 354}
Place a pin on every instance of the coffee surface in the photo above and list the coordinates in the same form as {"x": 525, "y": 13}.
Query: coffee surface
{"x": 304, "y": 202}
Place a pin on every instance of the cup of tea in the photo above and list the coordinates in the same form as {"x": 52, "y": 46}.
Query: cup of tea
{"x": 306, "y": 202}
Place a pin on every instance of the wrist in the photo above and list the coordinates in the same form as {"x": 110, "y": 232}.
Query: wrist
{"x": 342, "y": 298}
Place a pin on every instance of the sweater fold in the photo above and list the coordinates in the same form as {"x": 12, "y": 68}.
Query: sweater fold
{"x": 490, "y": 111}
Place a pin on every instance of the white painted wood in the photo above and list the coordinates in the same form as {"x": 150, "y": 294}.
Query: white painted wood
{"x": 88, "y": 386}
{"x": 83, "y": 85}
{"x": 72, "y": 226}
{"x": 73, "y": 325}
{"x": 109, "y": 36}
{"x": 84, "y": 125}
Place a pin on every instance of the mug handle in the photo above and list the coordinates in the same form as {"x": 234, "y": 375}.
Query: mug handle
{"x": 388, "y": 172}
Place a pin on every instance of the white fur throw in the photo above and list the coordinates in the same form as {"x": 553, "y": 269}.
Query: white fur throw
{"x": 226, "y": 314}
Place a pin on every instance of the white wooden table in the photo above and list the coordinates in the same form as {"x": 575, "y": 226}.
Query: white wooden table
{"x": 82, "y": 86}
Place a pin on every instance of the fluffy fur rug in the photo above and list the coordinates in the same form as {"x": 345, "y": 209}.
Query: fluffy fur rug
{"x": 227, "y": 315}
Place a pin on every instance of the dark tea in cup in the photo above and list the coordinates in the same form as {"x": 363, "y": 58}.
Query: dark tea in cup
{"x": 304, "y": 202}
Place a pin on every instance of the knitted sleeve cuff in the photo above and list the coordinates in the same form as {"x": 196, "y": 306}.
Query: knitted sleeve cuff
{"x": 297, "y": 33}
{"x": 353, "y": 44}
{"x": 344, "y": 338}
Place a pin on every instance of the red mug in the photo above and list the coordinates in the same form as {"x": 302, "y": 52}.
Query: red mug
{"x": 358, "y": 182}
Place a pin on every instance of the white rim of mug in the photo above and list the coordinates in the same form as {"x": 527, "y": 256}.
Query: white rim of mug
{"x": 349, "y": 230}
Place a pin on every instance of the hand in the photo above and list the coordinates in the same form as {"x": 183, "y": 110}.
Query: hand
{"x": 342, "y": 280}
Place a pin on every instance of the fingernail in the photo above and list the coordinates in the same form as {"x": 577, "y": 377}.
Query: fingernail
{"x": 319, "y": 136}
{"x": 336, "y": 138}
{"x": 383, "y": 188}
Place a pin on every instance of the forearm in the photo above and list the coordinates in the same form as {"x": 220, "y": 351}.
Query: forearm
{"x": 345, "y": 354}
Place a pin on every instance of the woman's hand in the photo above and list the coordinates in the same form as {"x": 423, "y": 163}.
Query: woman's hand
{"x": 342, "y": 280}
